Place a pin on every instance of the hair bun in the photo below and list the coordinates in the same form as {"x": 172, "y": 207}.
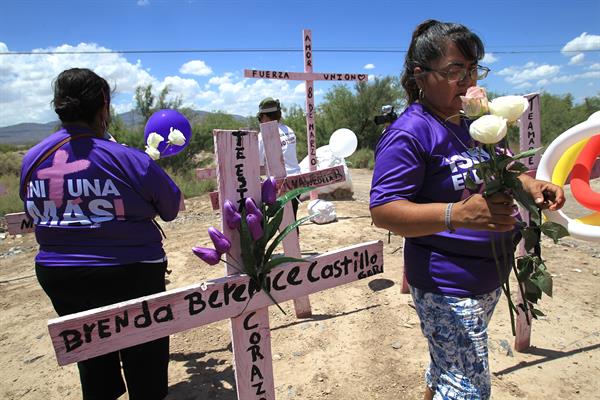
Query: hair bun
{"x": 69, "y": 108}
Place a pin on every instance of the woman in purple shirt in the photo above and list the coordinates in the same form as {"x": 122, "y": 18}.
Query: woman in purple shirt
{"x": 93, "y": 203}
{"x": 418, "y": 191}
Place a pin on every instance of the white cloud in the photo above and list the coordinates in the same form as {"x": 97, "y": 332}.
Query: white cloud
{"x": 582, "y": 42}
{"x": 369, "y": 66}
{"x": 529, "y": 72}
{"x": 26, "y": 92}
{"x": 143, "y": 3}
{"x": 577, "y": 59}
{"x": 196, "y": 67}
{"x": 25, "y": 80}
{"x": 594, "y": 66}
{"x": 217, "y": 80}
{"x": 524, "y": 85}
{"x": 489, "y": 58}
{"x": 569, "y": 78}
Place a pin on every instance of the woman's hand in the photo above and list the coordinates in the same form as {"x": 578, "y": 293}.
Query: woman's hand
{"x": 545, "y": 194}
{"x": 495, "y": 213}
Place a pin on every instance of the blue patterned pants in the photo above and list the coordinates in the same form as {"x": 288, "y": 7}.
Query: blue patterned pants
{"x": 456, "y": 330}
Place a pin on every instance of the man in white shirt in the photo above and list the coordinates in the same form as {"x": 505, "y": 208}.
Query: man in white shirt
{"x": 269, "y": 109}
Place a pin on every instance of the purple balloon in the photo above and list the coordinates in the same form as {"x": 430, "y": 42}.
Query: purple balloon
{"x": 161, "y": 122}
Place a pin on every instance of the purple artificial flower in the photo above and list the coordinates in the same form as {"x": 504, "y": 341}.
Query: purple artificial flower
{"x": 269, "y": 191}
{"x": 209, "y": 256}
{"x": 232, "y": 217}
{"x": 254, "y": 226}
{"x": 252, "y": 209}
{"x": 222, "y": 244}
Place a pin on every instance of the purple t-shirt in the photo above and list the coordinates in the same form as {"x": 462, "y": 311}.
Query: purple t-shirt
{"x": 93, "y": 202}
{"x": 419, "y": 160}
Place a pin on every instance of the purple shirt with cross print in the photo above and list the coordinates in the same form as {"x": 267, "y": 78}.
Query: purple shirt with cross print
{"x": 419, "y": 160}
{"x": 93, "y": 202}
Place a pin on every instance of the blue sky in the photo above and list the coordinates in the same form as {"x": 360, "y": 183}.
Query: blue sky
{"x": 526, "y": 42}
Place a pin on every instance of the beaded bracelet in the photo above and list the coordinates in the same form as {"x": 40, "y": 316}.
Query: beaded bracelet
{"x": 447, "y": 217}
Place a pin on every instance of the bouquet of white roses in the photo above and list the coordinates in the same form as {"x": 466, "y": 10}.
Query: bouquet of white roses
{"x": 258, "y": 227}
{"x": 500, "y": 174}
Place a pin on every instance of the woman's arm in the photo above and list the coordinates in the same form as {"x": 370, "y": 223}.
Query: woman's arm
{"x": 545, "y": 194}
{"x": 410, "y": 219}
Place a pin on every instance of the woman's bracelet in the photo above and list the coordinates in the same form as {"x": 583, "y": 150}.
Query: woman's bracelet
{"x": 448, "y": 217}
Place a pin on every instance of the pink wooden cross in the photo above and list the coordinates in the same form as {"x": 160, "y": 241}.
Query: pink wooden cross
{"x": 309, "y": 77}
{"x": 530, "y": 138}
{"x": 95, "y": 332}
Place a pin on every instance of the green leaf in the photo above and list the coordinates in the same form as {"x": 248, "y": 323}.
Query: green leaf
{"x": 537, "y": 313}
{"x": 281, "y": 201}
{"x": 531, "y": 238}
{"x": 503, "y": 160}
{"x": 470, "y": 183}
{"x": 492, "y": 187}
{"x": 554, "y": 230}
{"x": 273, "y": 225}
{"x": 272, "y": 209}
{"x": 543, "y": 280}
{"x": 283, "y": 234}
{"x": 525, "y": 268}
{"x": 246, "y": 246}
{"x": 281, "y": 260}
{"x": 532, "y": 292}
{"x": 526, "y": 154}
{"x": 518, "y": 168}
{"x": 525, "y": 200}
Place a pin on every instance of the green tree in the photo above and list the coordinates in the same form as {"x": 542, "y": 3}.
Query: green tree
{"x": 146, "y": 103}
{"x": 356, "y": 109}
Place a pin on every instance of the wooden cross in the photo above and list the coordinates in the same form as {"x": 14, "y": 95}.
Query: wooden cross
{"x": 530, "y": 133}
{"x": 102, "y": 330}
{"x": 308, "y": 76}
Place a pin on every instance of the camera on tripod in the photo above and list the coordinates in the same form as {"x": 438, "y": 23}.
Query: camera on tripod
{"x": 387, "y": 115}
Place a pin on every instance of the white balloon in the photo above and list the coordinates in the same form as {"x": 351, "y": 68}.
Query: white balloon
{"x": 343, "y": 142}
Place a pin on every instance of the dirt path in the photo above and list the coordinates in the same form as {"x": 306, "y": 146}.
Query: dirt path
{"x": 364, "y": 341}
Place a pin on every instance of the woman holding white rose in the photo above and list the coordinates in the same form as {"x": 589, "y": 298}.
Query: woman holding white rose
{"x": 419, "y": 191}
{"x": 93, "y": 203}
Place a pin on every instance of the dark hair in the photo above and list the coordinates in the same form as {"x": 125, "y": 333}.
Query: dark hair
{"x": 78, "y": 95}
{"x": 429, "y": 41}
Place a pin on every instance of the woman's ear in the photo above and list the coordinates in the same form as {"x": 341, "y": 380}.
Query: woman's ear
{"x": 417, "y": 71}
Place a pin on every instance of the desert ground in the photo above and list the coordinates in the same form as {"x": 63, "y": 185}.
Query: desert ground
{"x": 363, "y": 341}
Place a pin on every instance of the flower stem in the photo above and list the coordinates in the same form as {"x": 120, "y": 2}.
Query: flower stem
{"x": 505, "y": 288}
{"x": 232, "y": 266}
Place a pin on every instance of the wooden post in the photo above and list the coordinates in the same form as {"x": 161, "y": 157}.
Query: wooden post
{"x": 530, "y": 138}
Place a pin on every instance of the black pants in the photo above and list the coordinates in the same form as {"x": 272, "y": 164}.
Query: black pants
{"x": 145, "y": 366}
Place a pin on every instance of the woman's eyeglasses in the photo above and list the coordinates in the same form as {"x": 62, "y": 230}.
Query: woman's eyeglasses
{"x": 457, "y": 74}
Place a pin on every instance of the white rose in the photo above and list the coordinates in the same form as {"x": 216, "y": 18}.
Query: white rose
{"x": 154, "y": 140}
{"x": 489, "y": 129}
{"x": 176, "y": 137}
{"x": 509, "y": 107}
{"x": 153, "y": 153}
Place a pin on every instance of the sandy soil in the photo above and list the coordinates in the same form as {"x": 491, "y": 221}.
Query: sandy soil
{"x": 363, "y": 342}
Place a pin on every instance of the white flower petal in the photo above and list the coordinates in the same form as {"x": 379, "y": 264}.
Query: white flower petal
{"x": 153, "y": 153}
{"x": 176, "y": 137}
{"x": 509, "y": 107}
{"x": 154, "y": 140}
{"x": 489, "y": 129}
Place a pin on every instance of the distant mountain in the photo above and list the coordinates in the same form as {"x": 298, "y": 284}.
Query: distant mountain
{"x": 31, "y": 132}
{"x": 27, "y": 132}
